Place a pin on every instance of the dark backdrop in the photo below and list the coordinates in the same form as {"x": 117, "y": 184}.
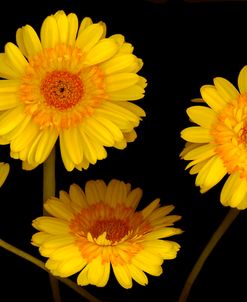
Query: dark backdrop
{"x": 184, "y": 46}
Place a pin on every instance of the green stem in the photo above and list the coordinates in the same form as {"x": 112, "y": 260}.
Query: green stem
{"x": 40, "y": 264}
{"x": 49, "y": 188}
{"x": 227, "y": 221}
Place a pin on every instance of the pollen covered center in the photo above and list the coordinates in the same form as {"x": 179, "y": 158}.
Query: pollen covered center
{"x": 61, "y": 89}
{"x": 115, "y": 229}
{"x": 230, "y": 136}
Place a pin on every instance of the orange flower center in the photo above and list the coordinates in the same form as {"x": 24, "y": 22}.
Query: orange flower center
{"x": 230, "y": 136}
{"x": 59, "y": 90}
{"x": 119, "y": 223}
{"x": 62, "y": 89}
{"x": 243, "y": 135}
{"x": 115, "y": 229}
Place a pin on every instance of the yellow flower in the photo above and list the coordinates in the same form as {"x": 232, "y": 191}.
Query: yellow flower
{"x": 72, "y": 83}
{"x": 100, "y": 228}
{"x": 218, "y": 145}
{"x": 4, "y": 171}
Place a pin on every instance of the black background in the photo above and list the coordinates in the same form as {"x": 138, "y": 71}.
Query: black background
{"x": 183, "y": 46}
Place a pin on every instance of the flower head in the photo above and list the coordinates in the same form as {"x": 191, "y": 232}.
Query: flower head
{"x": 72, "y": 83}
{"x": 4, "y": 171}
{"x": 97, "y": 229}
{"x": 217, "y": 145}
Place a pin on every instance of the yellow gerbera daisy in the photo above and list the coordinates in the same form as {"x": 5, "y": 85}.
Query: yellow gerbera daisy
{"x": 4, "y": 171}
{"x": 218, "y": 145}
{"x": 72, "y": 83}
{"x": 97, "y": 229}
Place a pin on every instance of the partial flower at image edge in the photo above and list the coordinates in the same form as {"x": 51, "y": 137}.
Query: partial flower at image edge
{"x": 4, "y": 172}
{"x": 216, "y": 145}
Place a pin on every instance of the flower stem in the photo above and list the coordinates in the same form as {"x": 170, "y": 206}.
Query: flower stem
{"x": 49, "y": 187}
{"x": 227, "y": 221}
{"x": 40, "y": 264}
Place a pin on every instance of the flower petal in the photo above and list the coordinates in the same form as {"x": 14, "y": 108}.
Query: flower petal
{"x": 242, "y": 80}
{"x": 226, "y": 90}
{"x": 4, "y": 171}
{"x": 49, "y": 32}
{"x": 17, "y": 61}
{"x": 196, "y": 134}
{"x": 31, "y": 41}
{"x": 101, "y": 52}
{"x": 211, "y": 173}
{"x": 202, "y": 116}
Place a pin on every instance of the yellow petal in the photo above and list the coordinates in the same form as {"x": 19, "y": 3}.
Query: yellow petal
{"x": 8, "y": 100}
{"x": 58, "y": 209}
{"x": 162, "y": 212}
{"x": 242, "y": 80}
{"x": 203, "y": 116}
{"x": 201, "y": 152}
{"x": 4, "y": 171}
{"x": 98, "y": 273}
{"x": 40, "y": 237}
{"x": 243, "y": 203}
{"x": 225, "y": 89}
{"x": 11, "y": 119}
{"x": 138, "y": 111}
{"x": 5, "y": 70}
{"x": 68, "y": 163}
{"x": 72, "y": 141}
{"x": 166, "y": 249}
{"x": 28, "y": 135}
{"x": 196, "y": 134}
{"x": 233, "y": 191}
{"x": 122, "y": 275}
{"x": 88, "y": 148}
{"x": 111, "y": 127}
{"x": 211, "y": 96}
{"x": 31, "y": 41}
{"x": 56, "y": 241}
{"x": 70, "y": 251}
{"x": 70, "y": 267}
{"x": 94, "y": 192}
{"x": 73, "y": 28}
{"x": 17, "y": 61}
{"x": 137, "y": 274}
{"x": 121, "y": 112}
{"x": 82, "y": 278}
{"x": 78, "y": 196}
{"x": 162, "y": 233}
{"x": 150, "y": 208}
{"x": 211, "y": 173}
{"x": 133, "y": 198}
{"x": 51, "y": 225}
{"x": 20, "y": 41}
{"x": 115, "y": 192}
{"x": 9, "y": 86}
{"x": 45, "y": 145}
{"x": 120, "y": 63}
{"x": 120, "y": 81}
{"x": 49, "y": 32}
{"x": 96, "y": 130}
{"x": 11, "y": 134}
{"x": 197, "y": 166}
{"x": 112, "y": 115}
{"x": 62, "y": 25}
{"x": 89, "y": 37}
{"x": 84, "y": 24}
{"x": 132, "y": 93}
{"x": 101, "y": 52}
{"x": 147, "y": 265}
